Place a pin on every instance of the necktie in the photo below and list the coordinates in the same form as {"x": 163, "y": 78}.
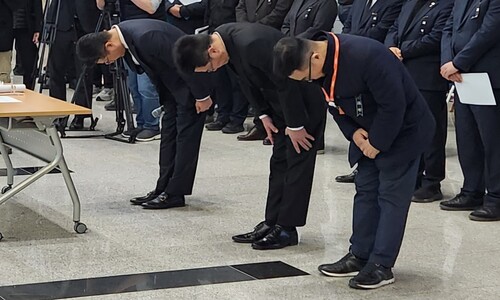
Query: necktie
{"x": 367, "y": 10}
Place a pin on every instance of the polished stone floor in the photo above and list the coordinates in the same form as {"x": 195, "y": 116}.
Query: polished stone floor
{"x": 444, "y": 255}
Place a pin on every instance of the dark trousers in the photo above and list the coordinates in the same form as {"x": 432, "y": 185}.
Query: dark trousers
{"x": 102, "y": 76}
{"x": 291, "y": 176}
{"x": 432, "y": 164}
{"x": 381, "y": 203}
{"x": 478, "y": 145}
{"x": 232, "y": 105}
{"x": 27, "y": 52}
{"x": 179, "y": 146}
{"x": 61, "y": 61}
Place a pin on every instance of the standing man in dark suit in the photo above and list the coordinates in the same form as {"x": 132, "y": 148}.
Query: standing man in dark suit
{"x": 344, "y": 10}
{"x": 372, "y": 18}
{"x": 471, "y": 44}
{"x": 307, "y": 17}
{"x": 266, "y": 12}
{"x": 379, "y": 109}
{"x": 146, "y": 45}
{"x": 247, "y": 48}
{"x": 415, "y": 39}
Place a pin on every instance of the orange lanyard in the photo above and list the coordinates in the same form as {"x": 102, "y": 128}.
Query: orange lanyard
{"x": 330, "y": 98}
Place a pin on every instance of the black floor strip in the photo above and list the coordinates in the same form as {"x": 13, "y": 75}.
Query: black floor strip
{"x": 148, "y": 281}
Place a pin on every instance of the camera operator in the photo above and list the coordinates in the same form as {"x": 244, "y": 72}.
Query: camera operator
{"x": 75, "y": 18}
{"x": 142, "y": 89}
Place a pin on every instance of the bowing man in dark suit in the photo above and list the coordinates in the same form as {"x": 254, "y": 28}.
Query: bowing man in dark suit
{"x": 146, "y": 45}
{"x": 372, "y": 18}
{"x": 471, "y": 44}
{"x": 415, "y": 38}
{"x": 379, "y": 109}
{"x": 247, "y": 48}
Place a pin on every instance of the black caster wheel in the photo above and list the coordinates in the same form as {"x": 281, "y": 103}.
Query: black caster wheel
{"x": 6, "y": 188}
{"x": 80, "y": 227}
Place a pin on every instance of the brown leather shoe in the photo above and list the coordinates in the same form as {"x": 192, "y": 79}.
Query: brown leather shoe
{"x": 253, "y": 134}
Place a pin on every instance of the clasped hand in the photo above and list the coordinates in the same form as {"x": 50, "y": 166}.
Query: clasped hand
{"x": 360, "y": 138}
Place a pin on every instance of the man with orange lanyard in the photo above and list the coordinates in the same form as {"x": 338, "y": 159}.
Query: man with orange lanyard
{"x": 380, "y": 110}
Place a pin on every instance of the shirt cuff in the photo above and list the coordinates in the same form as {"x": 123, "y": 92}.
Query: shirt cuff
{"x": 203, "y": 99}
{"x": 263, "y": 116}
{"x": 295, "y": 128}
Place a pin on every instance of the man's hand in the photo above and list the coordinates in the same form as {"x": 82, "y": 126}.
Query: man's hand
{"x": 269, "y": 127}
{"x": 450, "y": 72}
{"x": 175, "y": 10}
{"x": 202, "y": 106}
{"x": 300, "y": 138}
{"x": 397, "y": 52}
{"x": 369, "y": 151}
{"x": 360, "y": 137}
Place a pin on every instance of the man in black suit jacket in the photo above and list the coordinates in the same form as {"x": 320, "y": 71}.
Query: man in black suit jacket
{"x": 146, "y": 45}
{"x": 372, "y": 18}
{"x": 415, "y": 38}
{"x": 247, "y": 48}
{"x": 471, "y": 44}
{"x": 379, "y": 109}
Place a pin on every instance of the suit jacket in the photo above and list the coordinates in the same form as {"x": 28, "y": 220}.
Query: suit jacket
{"x": 306, "y": 17}
{"x": 376, "y": 24}
{"x": 419, "y": 39}
{"x": 250, "y": 48}
{"x": 267, "y": 12}
{"x": 192, "y": 15}
{"x": 87, "y": 14}
{"x": 220, "y": 12}
{"x": 393, "y": 111}
{"x": 151, "y": 42}
{"x": 66, "y": 18}
{"x": 6, "y": 25}
{"x": 471, "y": 38}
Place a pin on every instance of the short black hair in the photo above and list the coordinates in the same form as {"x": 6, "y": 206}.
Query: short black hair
{"x": 190, "y": 52}
{"x": 290, "y": 54}
{"x": 91, "y": 47}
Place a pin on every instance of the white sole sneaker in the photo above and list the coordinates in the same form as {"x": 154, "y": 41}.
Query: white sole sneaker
{"x": 375, "y": 286}
{"x": 351, "y": 274}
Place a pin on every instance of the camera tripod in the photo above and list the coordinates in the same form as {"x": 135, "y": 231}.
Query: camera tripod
{"x": 48, "y": 37}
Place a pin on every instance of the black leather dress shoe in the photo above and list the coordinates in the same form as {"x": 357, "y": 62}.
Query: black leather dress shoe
{"x": 347, "y": 178}
{"x": 461, "y": 202}
{"x": 76, "y": 124}
{"x": 143, "y": 199}
{"x": 277, "y": 238}
{"x": 267, "y": 142}
{"x": 259, "y": 232}
{"x": 232, "y": 128}
{"x": 253, "y": 135}
{"x": 164, "y": 201}
{"x": 485, "y": 214}
{"x": 215, "y": 126}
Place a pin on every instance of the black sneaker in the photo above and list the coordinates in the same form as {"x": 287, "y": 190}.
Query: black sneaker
{"x": 347, "y": 266}
{"x": 427, "y": 194}
{"x": 372, "y": 276}
{"x": 148, "y": 135}
{"x": 128, "y": 133}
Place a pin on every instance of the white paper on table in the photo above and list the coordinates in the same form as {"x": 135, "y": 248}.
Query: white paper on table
{"x": 187, "y": 2}
{"x": 7, "y": 99}
{"x": 476, "y": 89}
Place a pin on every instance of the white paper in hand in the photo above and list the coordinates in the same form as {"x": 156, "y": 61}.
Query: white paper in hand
{"x": 475, "y": 89}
